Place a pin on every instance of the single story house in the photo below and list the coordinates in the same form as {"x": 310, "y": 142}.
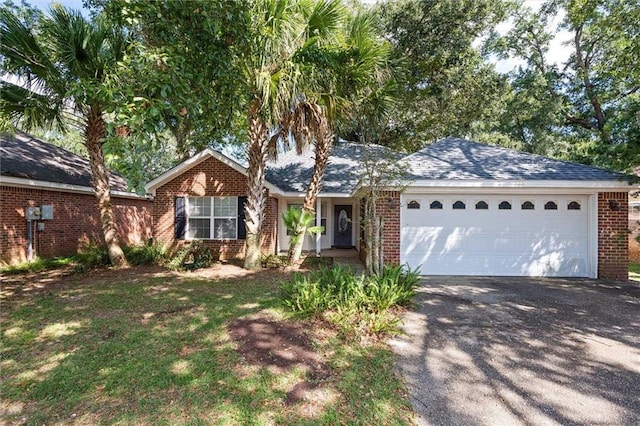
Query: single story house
{"x": 48, "y": 207}
{"x": 467, "y": 209}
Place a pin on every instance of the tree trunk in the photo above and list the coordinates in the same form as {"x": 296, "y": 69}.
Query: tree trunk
{"x": 323, "y": 151}
{"x": 254, "y": 206}
{"x": 94, "y": 138}
{"x": 583, "y": 71}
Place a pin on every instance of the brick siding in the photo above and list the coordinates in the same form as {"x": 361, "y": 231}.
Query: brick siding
{"x": 76, "y": 221}
{"x": 387, "y": 207}
{"x": 613, "y": 246}
{"x": 210, "y": 178}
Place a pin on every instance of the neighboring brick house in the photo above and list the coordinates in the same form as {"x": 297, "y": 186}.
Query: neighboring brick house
{"x": 34, "y": 173}
{"x": 467, "y": 209}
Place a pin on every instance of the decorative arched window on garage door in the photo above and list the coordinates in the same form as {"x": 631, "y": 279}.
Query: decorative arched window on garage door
{"x": 504, "y": 205}
{"x": 413, "y": 205}
{"x": 482, "y": 205}
{"x": 528, "y": 205}
{"x": 435, "y": 205}
{"x": 550, "y": 205}
{"x": 573, "y": 205}
{"x": 459, "y": 205}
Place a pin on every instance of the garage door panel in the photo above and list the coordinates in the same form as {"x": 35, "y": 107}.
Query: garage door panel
{"x": 507, "y": 242}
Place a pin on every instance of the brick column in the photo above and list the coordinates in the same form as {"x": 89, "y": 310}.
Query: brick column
{"x": 388, "y": 207}
{"x": 613, "y": 246}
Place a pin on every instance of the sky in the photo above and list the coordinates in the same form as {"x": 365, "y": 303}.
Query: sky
{"x": 558, "y": 51}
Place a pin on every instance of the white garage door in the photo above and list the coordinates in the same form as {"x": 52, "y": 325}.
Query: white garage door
{"x": 496, "y": 235}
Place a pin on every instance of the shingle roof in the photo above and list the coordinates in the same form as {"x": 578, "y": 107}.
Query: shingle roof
{"x": 25, "y": 156}
{"x": 292, "y": 172}
{"x": 459, "y": 159}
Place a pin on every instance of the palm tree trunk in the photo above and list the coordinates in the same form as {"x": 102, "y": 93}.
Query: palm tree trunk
{"x": 254, "y": 206}
{"x": 94, "y": 136}
{"x": 323, "y": 151}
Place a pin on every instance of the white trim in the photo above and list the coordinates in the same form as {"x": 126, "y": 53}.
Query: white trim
{"x": 194, "y": 161}
{"x": 318, "y": 223}
{"x": 320, "y": 195}
{"x": 63, "y": 187}
{"x": 593, "y": 234}
{"x": 421, "y": 185}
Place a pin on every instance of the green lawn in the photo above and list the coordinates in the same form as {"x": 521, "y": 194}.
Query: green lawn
{"x": 150, "y": 347}
{"x": 634, "y": 271}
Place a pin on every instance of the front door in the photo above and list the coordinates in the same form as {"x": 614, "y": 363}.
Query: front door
{"x": 342, "y": 227}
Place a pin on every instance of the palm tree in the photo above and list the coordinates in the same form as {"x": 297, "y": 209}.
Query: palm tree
{"x": 66, "y": 64}
{"x": 354, "y": 69}
{"x": 283, "y": 31}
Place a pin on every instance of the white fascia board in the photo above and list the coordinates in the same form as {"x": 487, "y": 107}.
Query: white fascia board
{"x": 292, "y": 194}
{"x": 194, "y": 161}
{"x": 516, "y": 185}
{"x": 63, "y": 187}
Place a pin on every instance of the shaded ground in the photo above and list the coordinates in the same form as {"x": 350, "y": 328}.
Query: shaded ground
{"x": 516, "y": 351}
{"x": 149, "y": 346}
{"x": 280, "y": 346}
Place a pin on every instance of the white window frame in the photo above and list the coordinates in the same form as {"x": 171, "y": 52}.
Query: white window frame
{"x": 212, "y": 217}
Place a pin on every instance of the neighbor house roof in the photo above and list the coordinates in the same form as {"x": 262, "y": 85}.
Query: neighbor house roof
{"x": 292, "y": 172}
{"x": 460, "y": 159}
{"x": 29, "y": 161}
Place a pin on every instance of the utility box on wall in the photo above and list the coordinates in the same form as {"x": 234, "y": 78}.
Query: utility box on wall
{"x": 32, "y": 213}
{"x": 39, "y": 213}
{"x": 46, "y": 212}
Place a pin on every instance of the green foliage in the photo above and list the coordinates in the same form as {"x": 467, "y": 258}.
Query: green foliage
{"x": 353, "y": 302}
{"x": 442, "y": 84}
{"x": 273, "y": 261}
{"x": 585, "y": 108}
{"x": 153, "y": 338}
{"x": 194, "y": 255}
{"x": 91, "y": 255}
{"x": 298, "y": 221}
{"x": 37, "y": 265}
{"x": 148, "y": 254}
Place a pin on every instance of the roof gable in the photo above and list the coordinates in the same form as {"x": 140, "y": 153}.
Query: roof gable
{"x": 186, "y": 165}
{"x": 460, "y": 159}
{"x": 27, "y": 157}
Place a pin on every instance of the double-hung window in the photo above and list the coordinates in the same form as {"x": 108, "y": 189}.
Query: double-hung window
{"x": 212, "y": 218}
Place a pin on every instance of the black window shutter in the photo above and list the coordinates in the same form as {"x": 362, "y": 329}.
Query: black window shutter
{"x": 242, "y": 230}
{"x": 181, "y": 218}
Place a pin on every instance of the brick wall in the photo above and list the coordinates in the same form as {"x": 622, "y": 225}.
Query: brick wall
{"x": 387, "y": 207}
{"x": 211, "y": 178}
{"x": 76, "y": 221}
{"x": 613, "y": 247}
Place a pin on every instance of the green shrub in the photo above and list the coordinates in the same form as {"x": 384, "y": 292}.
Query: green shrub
{"x": 193, "y": 256}
{"x": 355, "y": 303}
{"x": 148, "y": 254}
{"x": 91, "y": 255}
{"x": 273, "y": 261}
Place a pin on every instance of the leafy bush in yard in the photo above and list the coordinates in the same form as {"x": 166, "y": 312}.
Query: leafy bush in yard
{"x": 191, "y": 257}
{"x": 351, "y": 301}
{"x": 91, "y": 255}
{"x": 148, "y": 254}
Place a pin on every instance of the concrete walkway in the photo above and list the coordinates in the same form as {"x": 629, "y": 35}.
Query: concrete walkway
{"x": 512, "y": 351}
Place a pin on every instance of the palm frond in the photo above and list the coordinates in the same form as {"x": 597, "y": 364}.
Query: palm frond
{"x": 28, "y": 110}
{"x": 24, "y": 57}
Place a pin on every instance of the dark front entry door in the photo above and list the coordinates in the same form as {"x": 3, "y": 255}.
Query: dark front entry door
{"x": 342, "y": 226}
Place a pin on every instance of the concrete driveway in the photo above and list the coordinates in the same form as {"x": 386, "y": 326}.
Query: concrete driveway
{"x": 507, "y": 351}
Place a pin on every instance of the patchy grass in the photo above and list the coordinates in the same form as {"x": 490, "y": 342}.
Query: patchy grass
{"x": 147, "y": 346}
{"x": 37, "y": 265}
{"x": 634, "y": 271}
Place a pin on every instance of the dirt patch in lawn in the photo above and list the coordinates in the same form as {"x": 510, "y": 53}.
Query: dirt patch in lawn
{"x": 280, "y": 347}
